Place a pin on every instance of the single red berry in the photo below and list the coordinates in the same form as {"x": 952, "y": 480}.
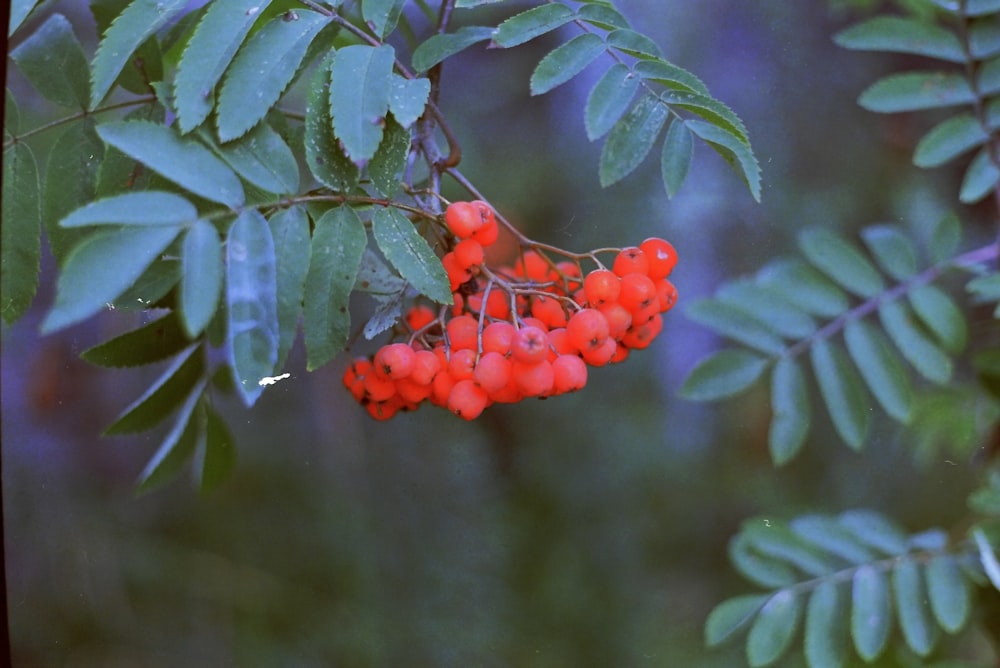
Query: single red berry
{"x": 492, "y": 372}
{"x": 569, "y": 374}
{"x": 638, "y": 292}
{"x": 394, "y": 361}
{"x": 378, "y": 388}
{"x": 661, "y": 255}
{"x": 533, "y": 380}
{"x": 463, "y": 218}
{"x": 619, "y": 319}
{"x": 412, "y": 391}
{"x": 499, "y": 337}
{"x": 467, "y": 400}
{"x": 631, "y": 260}
{"x": 602, "y": 354}
{"x": 641, "y": 337}
{"x": 468, "y": 253}
{"x": 666, "y": 292}
{"x": 530, "y": 345}
{"x": 463, "y": 332}
{"x": 588, "y": 329}
{"x": 601, "y": 287}
{"x": 462, "y": 363}
{"x": 488, "y": 234}
{"x": 426, "y": 365}
{"x": 457, "y": 274}
{"x": 419, "y": 316}
{"x": 549, "y": 310}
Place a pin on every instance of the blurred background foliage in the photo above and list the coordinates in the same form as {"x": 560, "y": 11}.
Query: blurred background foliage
{"x": 588, "y": 530}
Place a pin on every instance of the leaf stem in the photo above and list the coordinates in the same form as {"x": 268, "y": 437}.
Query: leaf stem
{"x": 75, "y": 117}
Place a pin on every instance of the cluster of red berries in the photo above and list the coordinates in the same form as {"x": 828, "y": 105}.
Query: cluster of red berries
{"x": 530, "y": 330}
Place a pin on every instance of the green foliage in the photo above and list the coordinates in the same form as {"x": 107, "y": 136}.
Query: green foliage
{"x": 854, "y": 581}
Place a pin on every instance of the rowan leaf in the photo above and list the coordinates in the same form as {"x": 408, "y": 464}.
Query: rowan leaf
{"x": 52, "y": 59}
{"x": 324, "y": 154}
{"x": 723, "y": 374}
{"x": 20, "y": 234}
{"x": 360, "y": 93}
{"x": 201, "y": 280}
{"x": 790, "y": 406}
{"x": 609, "y": 99}
{"x": 163, "y": 396}
{"x": 410, "y": 254}
{"x": 631, "y": 139}
{"x": 153, "y": 342}
{"x": 147, "y": 207}
{"x": 774, "y": 628}
{"x": 565, "y": 62}
{"x": 842, "y": 392}
{"x": 532, "y": 23}
{"x": 290, "y": 231}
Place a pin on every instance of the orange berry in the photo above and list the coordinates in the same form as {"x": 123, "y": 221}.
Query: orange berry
{"x": 641, "y": 337}
{"x": 631, "y": 260}
{"x": 601, "y": 287}
{"x": 394, "y": 361}
{"x": 530, "y": 345}
{"x": 467, "y": 400}
{"x": 666, "y": 292}
{"x": 468, "y": 253}
{"x": 426, "y": 365}
{"x": 499, "y": 337}
{"x": 463, "y": 332}
{"x": 462, "y": 363}
{"x": 463, "y": 218}
{"x": 492, "y": 373}
{"x": 549, "y": 310}
{"x": 533, "y": 380}
{"x": 588, "y": 329}
{"x": 661, "y": 255}
{"x": 600, "y": 355}
{"x": 569, "y": 374}
{"x": 638, "y": 292}
{"x": 419, "y": 316}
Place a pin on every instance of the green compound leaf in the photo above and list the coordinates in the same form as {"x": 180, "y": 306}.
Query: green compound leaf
{"x": 948, "y": 140}
{"x": 324, "y": 154}
{"x": 984, "y": 38}
{"x": 137, "y": 22}
{"x": 733, "y": 149}
{"x": 723, "y": 374}
{"x": 216, "y": 452}
{"x": 731, "y": 617}
{"x": 804, "y": 287}
{"x": 737, "y": 324}
{"x": 163, "y": 396}
{"x": 871, "y": 611}
{"x": 828, "y": 535}
{"x": 671, "y": 76}
{"x": 948, "y": 592}
{"x": 711, "y": 110}
{"x": 631, "y": 139}
{"x": 915, "y": 345}
{"x": 184, "y": 161}
{"x": 881, "y": 368}
{"x": 774, "y": 628}
{"x": 153, "y": 286}
{"x": 101, "y": 268}
{"x": 201, "y": 277}
{"x": 941, "y": 315}
{"x": 387, "y": 165}
{"x": 262, "y": 70}
{"x": 565, "y": 62}
{"x": 912, "y": 91}
{"x": 825, "y": 634}
{"x": 290, "y": 231}
{"x": 441, "y": 46}
{"x": 410, "y": 254}
{"x": 758, "y": 568}
{"x": 776, "y": 541}
{"x": 792, "y": 413}
{"x": 19, "y": 11}
{"x": 609, "y": 99}
{"x": 359, "y": 97}
{"x": 251, "y": 303}
{"x": 903, "y": 35}
{"x": 153, "y": 342}
{"x": 264, "y": 159}
{"x": 69, "y": 182}
{"x": 20, "y": 234}
{"x": 980, "y": 178}
{"x": 841, "y": 261}
{"x": 893, "y": 249}
{"x": 634, "y": 44}
{"x": 382, "y": 15}
{"x": 208, "y": 53}
{"x": 875, "y": 531}
{"x": 768, "y": 306}
{"x": 912, "y": 607}
{"x": 148, "y": 207}
{"x": 602, "y": 16}
{"x": 676, "y": 157}
{"x": 179, "y": 444}
{"x": 532, "y": 23}
{"x": 338, "y": 243}
{"x": 52, "y": 59}
{"x": 842, "y": 391}
{"x": 408, "y": 99}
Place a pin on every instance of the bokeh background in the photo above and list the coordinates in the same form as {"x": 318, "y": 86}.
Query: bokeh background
{"x": 588, "y": 530}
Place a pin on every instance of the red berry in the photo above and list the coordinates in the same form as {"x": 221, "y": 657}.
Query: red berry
{"x": 468, "y": 253}
{"x": 530, "y": 345}
{"x": 499, "y": 337}
{"x": 661, "y": 255}
{"x": 463, "y": 218}
{"x": 638, "y": 292}
{"x": 394, "y": 361}
{"x": 467, "y": 400}
{"x": 462, "y": 363}
{"x": 426, "y": 365}
{"x": 588, "y": 329}
{"x": 569, "y": 373}
{"x": 549, "y": 310}
{"x": 631, "y": 260}
{"x": 533, "y": 380}
{"x": 601, "y": 287}
{"x": 463, "y": 332}
{"x": 492, "y": 372}
{"x": 602, "y": 354}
